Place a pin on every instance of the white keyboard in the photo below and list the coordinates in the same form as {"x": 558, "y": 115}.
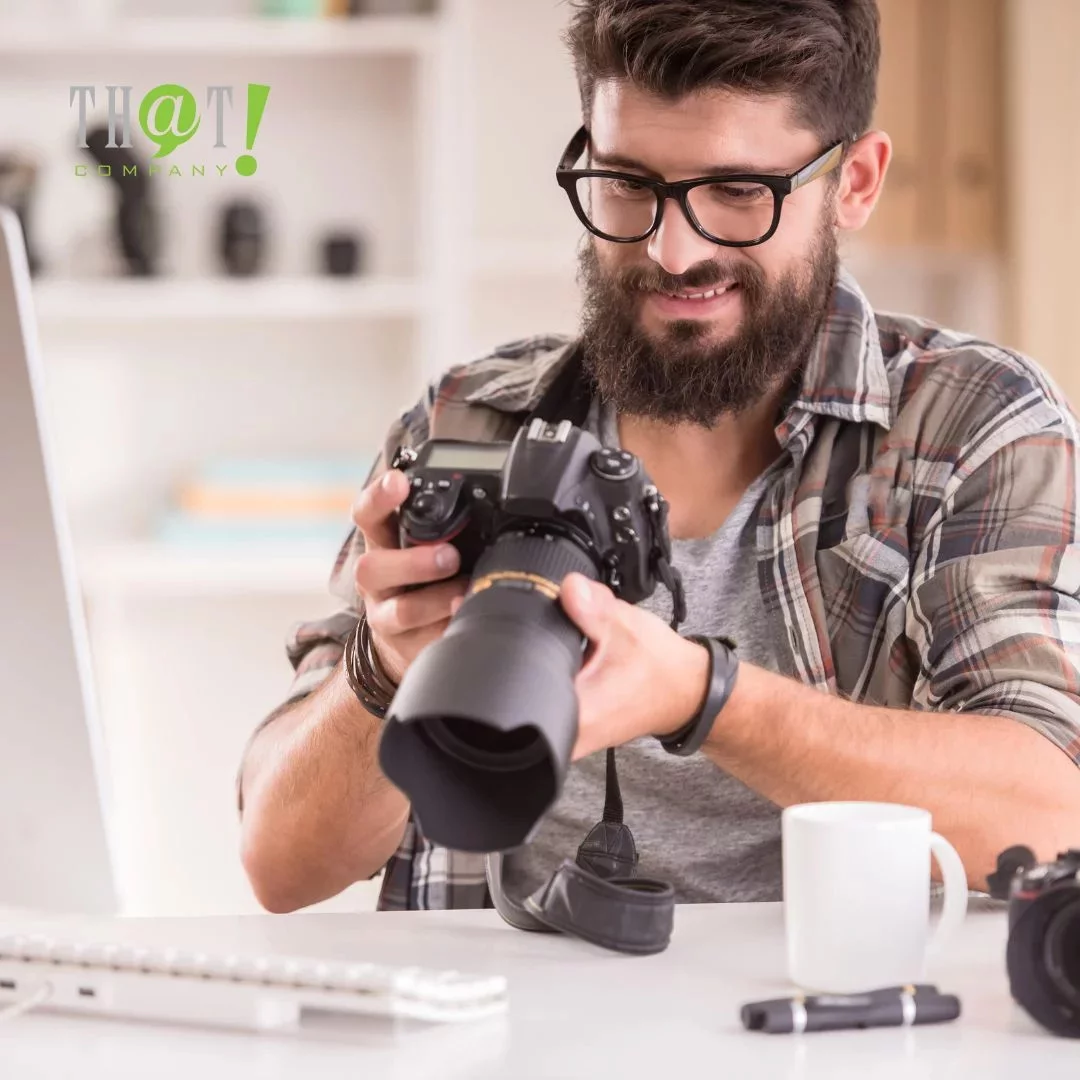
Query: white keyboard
{"x": 227, "y": 990}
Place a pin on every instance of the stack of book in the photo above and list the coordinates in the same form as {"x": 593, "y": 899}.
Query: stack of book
{"x": 315, "y": 8}
{"x": 278, "y": 503}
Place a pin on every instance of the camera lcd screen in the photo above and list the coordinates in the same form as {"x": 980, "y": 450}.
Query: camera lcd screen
{"x": 467, "y": 456}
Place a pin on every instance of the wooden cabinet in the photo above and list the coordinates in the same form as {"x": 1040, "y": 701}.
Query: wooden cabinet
{"x": 1044, "y": 158}
{"x": 941, "y": 100}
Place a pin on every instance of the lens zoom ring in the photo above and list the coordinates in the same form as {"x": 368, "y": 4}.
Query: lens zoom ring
{"x": 551, "y": 558}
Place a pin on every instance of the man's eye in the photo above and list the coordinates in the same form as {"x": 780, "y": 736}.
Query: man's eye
{"x": 742, "y": 193}
{"x": 628, "y": 189}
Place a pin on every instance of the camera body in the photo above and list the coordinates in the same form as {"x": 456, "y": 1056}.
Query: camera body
{"x": 1043, "y": 953}
{"x": 480, "y": 732}
{"x": 553, "y": 479}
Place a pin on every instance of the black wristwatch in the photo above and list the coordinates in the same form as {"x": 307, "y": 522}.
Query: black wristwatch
{"x": 723, "y": 667}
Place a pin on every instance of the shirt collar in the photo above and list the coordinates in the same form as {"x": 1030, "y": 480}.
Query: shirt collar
{"x": 844, "y": 375}
{"x": 518, "y": 385}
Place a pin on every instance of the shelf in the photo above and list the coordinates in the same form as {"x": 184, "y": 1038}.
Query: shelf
{"x": 543, "y": 259}
{"x": 140, "y": 299}
{"x": 368, "y": 35}
{"x": 155, "y": 569}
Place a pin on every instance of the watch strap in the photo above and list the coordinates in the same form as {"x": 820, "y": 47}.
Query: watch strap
{"x": 723, "y": 668}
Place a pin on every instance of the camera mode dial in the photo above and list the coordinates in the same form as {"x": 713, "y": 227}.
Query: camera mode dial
{"x": 613, "y": 464}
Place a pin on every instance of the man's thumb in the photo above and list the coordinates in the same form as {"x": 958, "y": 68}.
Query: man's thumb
{"x": 587, "y": 603}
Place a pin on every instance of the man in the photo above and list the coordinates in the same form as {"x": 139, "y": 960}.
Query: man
{"x": 881, "y": 513}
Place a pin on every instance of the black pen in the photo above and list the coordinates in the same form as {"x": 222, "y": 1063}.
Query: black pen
{"x": 893, "y": 1006}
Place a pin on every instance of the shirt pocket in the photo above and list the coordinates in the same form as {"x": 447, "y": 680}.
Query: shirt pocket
{"x": 864, "y": 556}
{"x": 869, "y": 504}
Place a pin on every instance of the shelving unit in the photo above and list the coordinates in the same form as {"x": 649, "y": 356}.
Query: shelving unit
{"x": 372, "y": 35}
{"x": 150, "y": 378}
{"x": 157, "y": 570}
{"x": 300, "y": 298}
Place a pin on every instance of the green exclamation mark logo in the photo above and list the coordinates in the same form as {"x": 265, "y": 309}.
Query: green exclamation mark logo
{"x": 256, "y": 106}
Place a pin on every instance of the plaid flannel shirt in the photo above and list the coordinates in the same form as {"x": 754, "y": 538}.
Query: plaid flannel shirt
{"x": 919, "y": 544}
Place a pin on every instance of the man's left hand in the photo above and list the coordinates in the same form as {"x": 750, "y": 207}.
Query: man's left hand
{"x": 639, "y": 678}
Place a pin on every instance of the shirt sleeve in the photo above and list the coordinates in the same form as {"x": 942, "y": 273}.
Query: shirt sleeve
{"x": 995, "y": 600}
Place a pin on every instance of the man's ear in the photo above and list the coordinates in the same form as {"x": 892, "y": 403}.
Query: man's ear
{"x": 863, "y": 174}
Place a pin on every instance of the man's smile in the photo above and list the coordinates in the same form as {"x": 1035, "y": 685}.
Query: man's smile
{"x": 699, "y": 303}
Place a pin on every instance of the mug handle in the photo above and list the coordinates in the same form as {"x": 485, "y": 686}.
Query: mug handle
{"x": 954, "y": 878}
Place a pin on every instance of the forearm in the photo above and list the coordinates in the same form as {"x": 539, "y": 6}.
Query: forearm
{"x": 318, "y": 812}
{"x": 989, "y": 781}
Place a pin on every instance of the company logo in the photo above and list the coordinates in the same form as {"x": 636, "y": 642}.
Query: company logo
{"x": 169, "y": 116}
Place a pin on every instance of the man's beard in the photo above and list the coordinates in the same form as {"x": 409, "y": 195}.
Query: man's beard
{"x": 680, "y": 377}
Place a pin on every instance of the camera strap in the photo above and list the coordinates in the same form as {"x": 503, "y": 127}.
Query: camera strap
{"x": 598, "y": 896}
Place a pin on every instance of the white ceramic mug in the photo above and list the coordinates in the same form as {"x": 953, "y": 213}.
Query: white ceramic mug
{"x": 857, "y": 894}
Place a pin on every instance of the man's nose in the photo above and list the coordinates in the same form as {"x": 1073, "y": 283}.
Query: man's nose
{"x": 677, "y": 245}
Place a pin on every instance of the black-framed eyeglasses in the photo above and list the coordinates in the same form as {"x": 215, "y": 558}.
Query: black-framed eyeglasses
{"x": 735, "y": 210}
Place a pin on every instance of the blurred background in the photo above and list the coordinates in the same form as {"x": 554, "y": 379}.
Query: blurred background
{"x": 224, "y": 352}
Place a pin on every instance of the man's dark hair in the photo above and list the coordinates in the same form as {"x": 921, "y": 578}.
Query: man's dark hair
{"x": 824, "y": 53}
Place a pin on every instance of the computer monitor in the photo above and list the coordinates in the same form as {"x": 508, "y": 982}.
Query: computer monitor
{"x": 54, "y": 841}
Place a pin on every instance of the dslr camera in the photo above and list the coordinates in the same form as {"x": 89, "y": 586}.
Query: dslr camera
{"x": 1043, "y": 954}
{"x": 481, "y": 729}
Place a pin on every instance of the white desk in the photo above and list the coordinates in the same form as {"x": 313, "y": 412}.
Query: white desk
{"x": 575, "y": 1011}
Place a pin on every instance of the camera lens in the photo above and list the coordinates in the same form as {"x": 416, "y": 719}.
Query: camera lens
{"x": 480, "y": 731}
{"x": 1061, "y": 951}
{"x": 486, "y": 747}
{"x": 1043, "y": 958}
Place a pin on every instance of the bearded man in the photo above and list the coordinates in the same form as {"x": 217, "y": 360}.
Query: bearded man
{"x": 880, "y": 513}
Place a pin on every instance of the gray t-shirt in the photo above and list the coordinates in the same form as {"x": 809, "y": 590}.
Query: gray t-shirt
{"x": 695, "y": 825}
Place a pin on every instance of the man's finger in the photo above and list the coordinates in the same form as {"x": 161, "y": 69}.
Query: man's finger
{"x": 374, "y": 510}
{"x": 413, "y": 641}
{"x": 381, "y": 572}
{"x": 415, "y": 610}
{"x": 589, "y": 605}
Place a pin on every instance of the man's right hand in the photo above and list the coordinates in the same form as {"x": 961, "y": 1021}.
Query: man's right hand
{"x": 402, "y": 622}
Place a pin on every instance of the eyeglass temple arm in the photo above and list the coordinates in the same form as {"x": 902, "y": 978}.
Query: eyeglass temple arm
{"x": 819, "y": 166}
{"x": 574, "y": 148}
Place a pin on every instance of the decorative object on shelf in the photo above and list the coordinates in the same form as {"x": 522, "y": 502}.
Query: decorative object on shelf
{"x": 264, "y": 501}
{"x": 17, "y": 176}
{"x": 242, "y": 240}
{"x": 391, "y": 7}
{"x": 335, "y": 8}
{"x": 303, "y": 8}
{"x": 342, "y": 254}
{"x": 137, "y": 222}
